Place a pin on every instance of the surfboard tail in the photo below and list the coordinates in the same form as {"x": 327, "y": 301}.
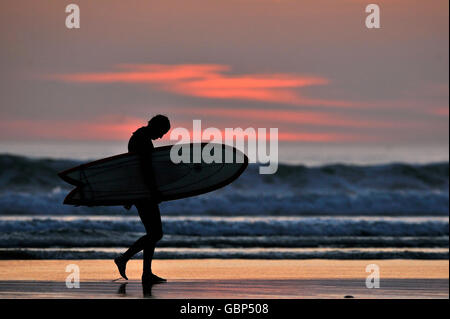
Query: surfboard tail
{"x": 73, "y": 198}
{"x": 74, "y": 175}
{"x": 64, "y": 175}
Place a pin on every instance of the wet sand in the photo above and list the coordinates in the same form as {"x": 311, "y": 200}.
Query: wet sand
{"x": 215, "y": 278}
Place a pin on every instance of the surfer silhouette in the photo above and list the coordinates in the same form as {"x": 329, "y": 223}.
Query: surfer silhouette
{"x": 141, "y": 144}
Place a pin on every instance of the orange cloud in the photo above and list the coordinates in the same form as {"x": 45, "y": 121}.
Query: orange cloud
{"x": 142, "y": 73}
{"x": 212, "y": 81}
{"x": 103, "y": 129}
{"x": 120, "y": 129}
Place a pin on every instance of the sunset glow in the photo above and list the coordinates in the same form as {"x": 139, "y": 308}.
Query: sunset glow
{"x": 314, "y": 72}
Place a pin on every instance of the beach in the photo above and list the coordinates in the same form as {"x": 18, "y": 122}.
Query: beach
{"x": 228, "y": 279}
{"x": 305, "y": 232}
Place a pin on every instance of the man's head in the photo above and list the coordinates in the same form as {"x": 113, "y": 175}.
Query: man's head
{"x": 159, "y": 125}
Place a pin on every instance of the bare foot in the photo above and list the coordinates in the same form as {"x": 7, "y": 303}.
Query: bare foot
{"x": 121, "y": 264}
{"x": 152, "y": 278}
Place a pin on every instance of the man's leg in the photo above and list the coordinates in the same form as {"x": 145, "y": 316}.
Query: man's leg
{"x": 151, "y": 218}
{"x": 136, "y": 247}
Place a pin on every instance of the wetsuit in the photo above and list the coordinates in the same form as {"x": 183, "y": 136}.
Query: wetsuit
{"x": 148, "y": 209}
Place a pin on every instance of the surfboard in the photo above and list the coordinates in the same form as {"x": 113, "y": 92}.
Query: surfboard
{"x": 119, "y": 180}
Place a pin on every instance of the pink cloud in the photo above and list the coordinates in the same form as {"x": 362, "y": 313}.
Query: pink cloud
{"x": 213, "y": 81}
{"x": 120, "y": 129}
{"x": 441, "y": 111}
{"x": 101, "y": 129}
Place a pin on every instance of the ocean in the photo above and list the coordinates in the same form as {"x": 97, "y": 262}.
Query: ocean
{"x": 331, "y": 211}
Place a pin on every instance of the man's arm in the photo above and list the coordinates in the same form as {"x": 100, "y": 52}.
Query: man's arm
{"x": 149, "y": 176}
{"x": 151, "y": 182}
{"x": 140, "y": 144}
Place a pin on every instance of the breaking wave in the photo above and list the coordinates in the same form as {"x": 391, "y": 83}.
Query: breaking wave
{"x": 31, "y": 186}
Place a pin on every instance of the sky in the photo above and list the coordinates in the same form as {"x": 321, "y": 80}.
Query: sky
{"x": 309, "y": 68}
